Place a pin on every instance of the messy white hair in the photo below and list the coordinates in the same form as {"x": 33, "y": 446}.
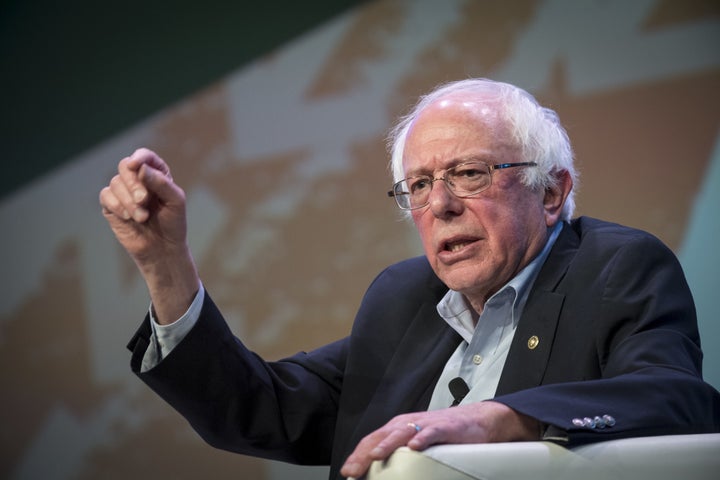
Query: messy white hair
{"x": 535, "y": 129}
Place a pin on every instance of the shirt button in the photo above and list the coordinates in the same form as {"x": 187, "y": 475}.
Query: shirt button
{"x": 477, "y": 359}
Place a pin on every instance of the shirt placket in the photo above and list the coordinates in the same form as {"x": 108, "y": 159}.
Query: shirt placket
{"x": 483, "y": 349}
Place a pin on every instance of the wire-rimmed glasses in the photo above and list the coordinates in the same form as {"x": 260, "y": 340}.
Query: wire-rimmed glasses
{"x": 464, "y": 180}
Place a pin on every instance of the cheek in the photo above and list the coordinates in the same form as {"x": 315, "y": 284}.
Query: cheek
{"x": 424, "y": 230}
{"x": 424, "y": 226}
{"x": 506, "y": 239}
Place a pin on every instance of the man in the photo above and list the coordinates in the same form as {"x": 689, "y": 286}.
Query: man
{"x": 535, "y": 326}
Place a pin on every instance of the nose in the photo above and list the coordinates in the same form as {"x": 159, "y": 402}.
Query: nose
{"x": 442, "y": 201}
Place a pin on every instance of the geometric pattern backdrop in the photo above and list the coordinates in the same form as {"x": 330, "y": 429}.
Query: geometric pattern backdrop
{"x": 284, "y": 166}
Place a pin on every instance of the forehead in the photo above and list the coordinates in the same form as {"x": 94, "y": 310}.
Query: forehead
{"x": 453, "y": 129}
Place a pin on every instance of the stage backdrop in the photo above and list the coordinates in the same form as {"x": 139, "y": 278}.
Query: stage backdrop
{"x": 284, "y": 166}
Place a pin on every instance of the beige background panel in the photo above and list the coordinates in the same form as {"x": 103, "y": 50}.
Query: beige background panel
{"x": 284, "y": 165}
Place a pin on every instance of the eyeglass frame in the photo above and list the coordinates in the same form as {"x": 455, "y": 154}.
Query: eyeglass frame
{"x": 491, "y": 168}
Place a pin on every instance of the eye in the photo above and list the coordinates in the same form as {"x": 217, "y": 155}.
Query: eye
{"x": 468, "y": 172}
{"x": 418, "y": 184}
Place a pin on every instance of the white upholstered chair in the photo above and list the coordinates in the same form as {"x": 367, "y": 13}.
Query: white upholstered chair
{"x": 678, "y": 457}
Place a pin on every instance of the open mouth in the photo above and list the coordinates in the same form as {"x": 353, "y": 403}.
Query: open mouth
{"x": 457, "y": 244}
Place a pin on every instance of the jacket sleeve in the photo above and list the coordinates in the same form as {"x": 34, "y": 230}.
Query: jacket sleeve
{"x": 284, "y": 410}
{"x": 639, "y": 330}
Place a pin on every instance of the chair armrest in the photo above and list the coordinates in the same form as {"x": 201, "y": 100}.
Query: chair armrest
{"x": 689, "y": 457}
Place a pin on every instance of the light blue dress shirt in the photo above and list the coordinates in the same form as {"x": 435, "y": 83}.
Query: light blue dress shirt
{"x": 165, "y": 337}
{"x": 480, "y": 357}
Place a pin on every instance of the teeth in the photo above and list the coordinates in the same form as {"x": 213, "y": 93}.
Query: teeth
{"x": 457, "y": 246}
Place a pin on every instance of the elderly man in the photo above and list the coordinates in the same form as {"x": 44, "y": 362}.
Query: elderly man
{"x": 517, "y": 324}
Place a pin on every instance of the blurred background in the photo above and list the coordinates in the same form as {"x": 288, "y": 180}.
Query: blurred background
{"x": 273, "y": 120}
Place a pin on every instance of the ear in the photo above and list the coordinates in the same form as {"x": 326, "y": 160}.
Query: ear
{"x": 555, "y": 197}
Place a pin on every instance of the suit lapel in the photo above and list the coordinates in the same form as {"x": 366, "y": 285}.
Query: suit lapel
{"x": 532, "y": 344}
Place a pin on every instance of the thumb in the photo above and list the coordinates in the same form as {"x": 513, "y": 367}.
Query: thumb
{"x": 145, "y": 156}
{"x": 161, "y": 185}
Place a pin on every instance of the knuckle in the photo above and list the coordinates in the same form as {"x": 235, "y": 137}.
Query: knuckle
{"x": 117, "y": 184}
{"x": 437, "y": 431}
{"x": 114, "y": 181}
{"x": 145, "y": 151}
{"x": 402, "y": 420}
{"x": 122, "y": 164}
{"x": 112, "y": 203}
{"x": 103, "y": 197}
{"x": 366, "y": 441}
{"x": 142, "y": 151}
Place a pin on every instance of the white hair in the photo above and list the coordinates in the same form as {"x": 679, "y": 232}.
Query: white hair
{"x": 535, "y": 129}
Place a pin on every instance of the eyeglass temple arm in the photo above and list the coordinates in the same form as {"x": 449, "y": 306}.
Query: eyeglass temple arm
{"x": 509, "y": 165}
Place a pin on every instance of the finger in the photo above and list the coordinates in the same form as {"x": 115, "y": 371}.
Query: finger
{"x": 109, "y": 203}
{"x": 116, "y": 199}
{"x": 145, "y": 156}
{"x": 396, "y": 439}
{"x": 426, "y": 437}
{"x": 359, "y": 460}
{"x": 379, "y": 445}
{"x": 161, "y": 185}
{"x": 129, "y": 169}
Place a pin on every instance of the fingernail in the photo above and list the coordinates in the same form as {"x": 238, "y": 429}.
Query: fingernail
{"x": 126, "y": 215}
{"x": 139, "y": 195}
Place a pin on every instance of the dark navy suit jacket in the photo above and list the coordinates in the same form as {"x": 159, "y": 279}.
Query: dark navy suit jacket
{"x": 611, "y": 310}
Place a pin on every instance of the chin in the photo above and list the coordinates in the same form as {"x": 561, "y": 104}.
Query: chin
{"x": 459, "y": 281}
